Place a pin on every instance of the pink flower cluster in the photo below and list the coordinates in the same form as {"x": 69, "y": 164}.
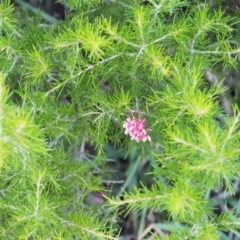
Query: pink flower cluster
{"x": 136, "y": 128}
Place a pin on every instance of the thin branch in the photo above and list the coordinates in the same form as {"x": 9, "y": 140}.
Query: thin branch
{"x": 37, "y": 195}
{"x": 91, "y": 66}
{"x": 164, "y": 37}
{"x": 135, "y": 200}
{"x": 54, "y": 142}
{"x": 122, "y": 39}
{"x": 235, "y": 51}
{"x": 188, "y": 144}
{"x": 150, "y": 228}
{"x": 108, "y": 182}
{"x": 193, "y": 50}
{"x": 231, "y": 131}
{"x": 93, "y": 232}
{"x": 13, "y": 64}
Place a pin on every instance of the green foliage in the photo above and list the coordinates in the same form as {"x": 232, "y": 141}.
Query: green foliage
{"x": 72, "y": 4}
{"x": 71, "y": 83}
{"x": 7, "y": 22}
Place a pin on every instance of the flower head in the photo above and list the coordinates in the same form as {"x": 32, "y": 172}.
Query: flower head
{"x": 135, "y": 127}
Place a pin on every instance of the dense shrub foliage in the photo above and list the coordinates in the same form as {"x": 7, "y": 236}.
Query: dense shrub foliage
{"x": 66, "y": 85}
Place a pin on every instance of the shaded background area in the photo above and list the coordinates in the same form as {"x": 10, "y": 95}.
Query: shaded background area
{"x": 52, "y": 7}
{"x": 127, "y": 173}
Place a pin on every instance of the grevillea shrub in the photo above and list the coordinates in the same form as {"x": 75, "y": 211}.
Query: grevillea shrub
{"x": 124, "y": 73}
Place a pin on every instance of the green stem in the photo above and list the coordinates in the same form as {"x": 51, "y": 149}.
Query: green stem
{"x": 45, "y": 16}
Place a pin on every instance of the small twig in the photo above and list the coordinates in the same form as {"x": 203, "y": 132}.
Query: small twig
{"x": 213, "y": 79}
{"x": 13, "y": 64}
{"x": 148, "y": 229}
{"x": 93, "y": 232}
{"x": 54, "y": 142}
{"x": 113, "y": 181}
